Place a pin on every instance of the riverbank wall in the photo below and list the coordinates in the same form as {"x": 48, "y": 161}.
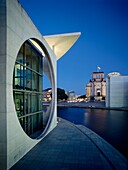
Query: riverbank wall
{"x": 91, "y": 105}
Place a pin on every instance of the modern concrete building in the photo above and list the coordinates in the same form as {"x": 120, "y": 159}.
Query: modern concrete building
{"x": 24, "y": 54}
{"x": 96, "y": 88}
{"x": 116, "y": 90}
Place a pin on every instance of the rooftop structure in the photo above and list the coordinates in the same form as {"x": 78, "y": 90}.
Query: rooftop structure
{"x": 114, "y": 74}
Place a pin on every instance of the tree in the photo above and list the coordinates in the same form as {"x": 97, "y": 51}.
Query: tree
{"x": 82, "y": 96}
{"x": 61, "y": 94}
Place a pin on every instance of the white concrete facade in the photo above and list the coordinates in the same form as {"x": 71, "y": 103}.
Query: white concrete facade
{"x": 16, "y": 27}
{"x": 117, "y": 91}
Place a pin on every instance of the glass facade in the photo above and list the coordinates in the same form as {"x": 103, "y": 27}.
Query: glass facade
{"x": 27, "y": 88}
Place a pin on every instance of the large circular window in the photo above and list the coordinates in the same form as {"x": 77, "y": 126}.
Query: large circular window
{"x": 27, "y": 88}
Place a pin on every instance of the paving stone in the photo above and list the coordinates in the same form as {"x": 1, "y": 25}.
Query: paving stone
{"x": 72, "y": 147}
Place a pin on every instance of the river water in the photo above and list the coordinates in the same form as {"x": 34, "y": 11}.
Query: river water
{"x": 112, "y": 125}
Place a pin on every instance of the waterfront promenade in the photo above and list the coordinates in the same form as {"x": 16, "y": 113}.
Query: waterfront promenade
{"x": 72, "y": 147}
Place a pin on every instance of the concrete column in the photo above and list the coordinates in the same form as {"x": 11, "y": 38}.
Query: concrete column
{"x": 3, "y": 115}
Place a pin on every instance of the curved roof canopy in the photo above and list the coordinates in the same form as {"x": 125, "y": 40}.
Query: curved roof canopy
{"x": 61, "y": 43}
{"x": 114, "y": 74}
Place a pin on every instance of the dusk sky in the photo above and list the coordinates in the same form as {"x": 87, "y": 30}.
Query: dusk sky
{"x": 103, "y": 42}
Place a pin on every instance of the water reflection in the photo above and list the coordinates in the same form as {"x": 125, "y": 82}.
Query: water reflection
{"x": 95, "y": 120}
{"x": 109, "y": 124}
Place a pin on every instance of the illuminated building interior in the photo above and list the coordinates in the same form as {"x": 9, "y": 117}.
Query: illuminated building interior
{"x": 27, "y": 88}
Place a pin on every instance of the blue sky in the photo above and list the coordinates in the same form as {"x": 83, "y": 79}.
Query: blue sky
{"x": 103, "y": 42}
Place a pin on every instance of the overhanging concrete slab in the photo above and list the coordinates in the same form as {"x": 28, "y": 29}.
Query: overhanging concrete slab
{"x": 61, "y": 43}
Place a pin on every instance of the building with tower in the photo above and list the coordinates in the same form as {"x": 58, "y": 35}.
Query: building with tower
{"x": 96, "y": 88}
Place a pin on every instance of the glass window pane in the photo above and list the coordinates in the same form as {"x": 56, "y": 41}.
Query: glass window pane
{"x": 19, "y": 103}
{"x": 28, "y": 79}
{"x": 34, "y": 81}
{"x": 35, "y": 123}
{"x": 21, "y": 77}
{"x": 28, "y": 55}
{"x": 18, "y": 76}
{"x": 34, "y": 61}
{"x": 40, "y": 102}
{"x": 34, "y": 103}
{"x": 40, "y": 83}
{"x": 27, "y": 103}
{"x": 29, "y": 129}
{"x": 40, "y": 120}
{"x": 20, "y": 55}
{"x": 40, "y": 64}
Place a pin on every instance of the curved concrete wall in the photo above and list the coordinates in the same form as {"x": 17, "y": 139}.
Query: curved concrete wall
{"x": 15, "y": 29}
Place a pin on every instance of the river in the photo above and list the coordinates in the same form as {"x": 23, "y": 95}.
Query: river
{"x": 112, "y": 125}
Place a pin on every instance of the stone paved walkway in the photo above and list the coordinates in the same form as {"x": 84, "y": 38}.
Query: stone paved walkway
{"x": 71, "y": 147}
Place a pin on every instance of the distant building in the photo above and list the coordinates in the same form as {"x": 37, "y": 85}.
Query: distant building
{"x": 88, "y": 91}
{"x": 117, "y": 90}
{"x": 71, "y": 95}
{"x": 96, "y": 88}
